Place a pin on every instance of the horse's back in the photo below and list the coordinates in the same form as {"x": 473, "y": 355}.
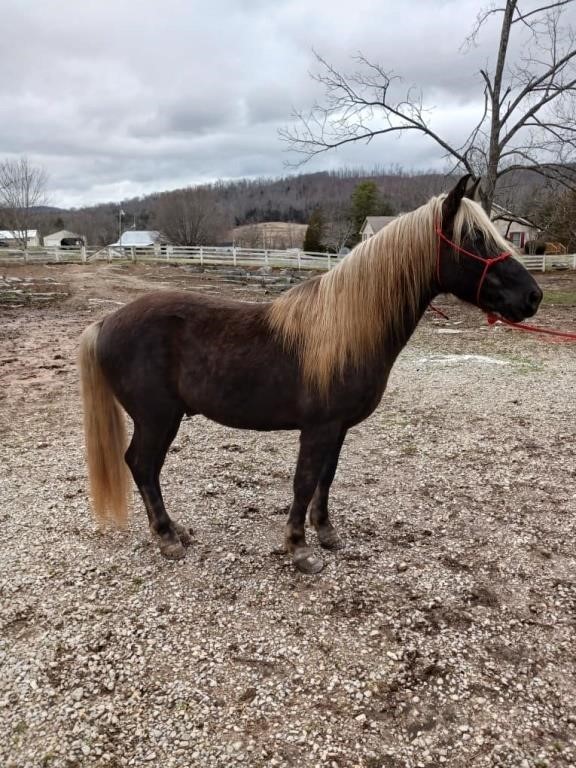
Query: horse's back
{"x": 217, "y": 357}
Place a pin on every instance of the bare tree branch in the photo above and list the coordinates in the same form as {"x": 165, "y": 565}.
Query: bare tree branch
{"x": 351, "y": 105}
{"x": 527, "y": 118}
{"x": 541, "y": 9}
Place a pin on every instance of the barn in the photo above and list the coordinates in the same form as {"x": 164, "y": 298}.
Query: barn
{"x": 63, "y": 238}
{"x": 13, "y": 238}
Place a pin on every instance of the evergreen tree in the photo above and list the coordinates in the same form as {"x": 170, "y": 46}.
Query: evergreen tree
{"x": 315, "y": 232}
{"x": 366, "y": 201}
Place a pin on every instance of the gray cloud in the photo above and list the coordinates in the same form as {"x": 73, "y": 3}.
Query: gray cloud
{"x": 124, "y": 98}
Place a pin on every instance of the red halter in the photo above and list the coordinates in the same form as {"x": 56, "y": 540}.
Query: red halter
{"x": 492, "y": 318}
{"x": 488, "y": 262}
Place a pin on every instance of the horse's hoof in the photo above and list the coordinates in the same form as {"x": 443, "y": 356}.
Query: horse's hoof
{"x": 172, "y": 550}
{"x": 306, "y": 561}
{"x": 329, "y": 538}
{"x": 184, "y": 534}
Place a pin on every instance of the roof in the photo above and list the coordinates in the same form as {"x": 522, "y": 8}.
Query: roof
{"x": 62, "y": 233}
{"x": 376, "y": 222}
{"x": 13, "y": 234}
{"x": 135, "y": 238}
{"x": 498, "y": 212}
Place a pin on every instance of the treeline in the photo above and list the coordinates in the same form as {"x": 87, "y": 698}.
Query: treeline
{"x": 206, "y": 214}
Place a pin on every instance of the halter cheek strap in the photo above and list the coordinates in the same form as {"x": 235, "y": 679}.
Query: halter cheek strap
{"x": 487, "y": 262}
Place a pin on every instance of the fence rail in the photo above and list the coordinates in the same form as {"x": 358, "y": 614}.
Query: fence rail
{"x": 224, "y": 257}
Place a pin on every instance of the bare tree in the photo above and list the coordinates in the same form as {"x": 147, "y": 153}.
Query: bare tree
{"x": 191, "y": 216}
{"x": 528, "y": 117}
{"x": 98, "y": 225}
{"x": 556, "y": 215}
{"x": 22, "y": 188}
{"x": 339, "y": 229}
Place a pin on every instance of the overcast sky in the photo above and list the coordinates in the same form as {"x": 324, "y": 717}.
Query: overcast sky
{"x": 117, "y": 98}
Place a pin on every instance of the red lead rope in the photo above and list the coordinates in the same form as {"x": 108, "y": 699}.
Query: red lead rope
{"x": 491, "y": 317}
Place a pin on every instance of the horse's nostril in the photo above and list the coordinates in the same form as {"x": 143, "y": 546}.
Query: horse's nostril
{"x": 535, "y": 297}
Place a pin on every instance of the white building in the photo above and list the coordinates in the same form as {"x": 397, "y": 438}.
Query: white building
{"x": 135, "y": 238}
{"x": 373, "y": 224}
{"x": 12, "y": 238}
{"x": 62, "y": 238}
{"x": 514, "y": 228}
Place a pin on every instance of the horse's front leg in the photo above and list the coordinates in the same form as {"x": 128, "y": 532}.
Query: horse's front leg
{"x": 315, "y": 444}
{"x": 327, "y": 535}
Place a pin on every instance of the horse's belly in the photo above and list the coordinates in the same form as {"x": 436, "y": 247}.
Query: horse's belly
{"x": 244, "y": 399}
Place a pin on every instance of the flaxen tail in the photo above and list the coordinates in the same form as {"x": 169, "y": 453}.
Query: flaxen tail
{"x": 105, "y": 436}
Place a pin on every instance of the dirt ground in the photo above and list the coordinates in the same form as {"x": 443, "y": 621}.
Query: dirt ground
{"x": 444, "y": 634}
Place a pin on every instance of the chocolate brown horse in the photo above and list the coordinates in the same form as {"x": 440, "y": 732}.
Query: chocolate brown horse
{"x": 316, "y": 359}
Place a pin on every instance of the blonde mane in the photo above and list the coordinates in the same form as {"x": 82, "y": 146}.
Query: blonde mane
{"x": 375, "y": 293}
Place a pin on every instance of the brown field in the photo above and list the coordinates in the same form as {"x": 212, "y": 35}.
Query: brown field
{"x": 270, "y": 234}
{"x": 444, "y": 634}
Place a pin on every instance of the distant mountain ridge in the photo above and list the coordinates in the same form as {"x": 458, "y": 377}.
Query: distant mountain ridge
{"x": 288, "y": 199}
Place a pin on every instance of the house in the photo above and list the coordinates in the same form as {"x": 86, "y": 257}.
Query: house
{"x": 138, "y": 238}
{"x": 62, "y": 238}
{"x": 514, "y": 228}
{"x": 12, "y": 238}
{"x": 373, "y": 224}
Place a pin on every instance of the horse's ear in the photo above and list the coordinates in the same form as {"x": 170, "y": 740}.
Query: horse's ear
{"x": 473, "y": 192}
{"x": 453, "y": 199}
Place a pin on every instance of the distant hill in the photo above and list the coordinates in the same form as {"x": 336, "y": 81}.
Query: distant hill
{"x": 48, "y": 209}
{"x": 289, "y": 200}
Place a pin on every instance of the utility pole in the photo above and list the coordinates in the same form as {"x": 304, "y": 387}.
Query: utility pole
{"x": 120, "y": 215}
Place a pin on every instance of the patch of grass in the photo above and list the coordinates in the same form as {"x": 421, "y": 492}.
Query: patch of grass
{"x": 20, "y": 728}
{"x": 524, "y": 364}
{"x": 559, "y": 297}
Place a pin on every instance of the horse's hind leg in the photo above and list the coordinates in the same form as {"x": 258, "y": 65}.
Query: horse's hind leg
{"x": 327, "y": 534}
{"x": 145, "y": 456}
{"x": 315, "y": 444}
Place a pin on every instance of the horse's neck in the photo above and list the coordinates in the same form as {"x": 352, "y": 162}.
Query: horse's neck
{"x": 395, "y": 338}
{"x": 393, "y": 343}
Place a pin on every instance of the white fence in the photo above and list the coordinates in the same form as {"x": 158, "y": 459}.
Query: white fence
{"x": 224, "y": 257}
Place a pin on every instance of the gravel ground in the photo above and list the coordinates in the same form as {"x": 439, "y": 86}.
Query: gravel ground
{"x": 443, "y": 635}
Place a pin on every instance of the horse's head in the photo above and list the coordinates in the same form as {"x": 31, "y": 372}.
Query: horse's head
{"x": 477, "y": 264}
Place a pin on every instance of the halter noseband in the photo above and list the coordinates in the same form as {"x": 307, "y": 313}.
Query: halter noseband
{"x": 487, "y": 262}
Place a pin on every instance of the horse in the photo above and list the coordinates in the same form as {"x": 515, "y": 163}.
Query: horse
{"x": 315, "y": 359}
